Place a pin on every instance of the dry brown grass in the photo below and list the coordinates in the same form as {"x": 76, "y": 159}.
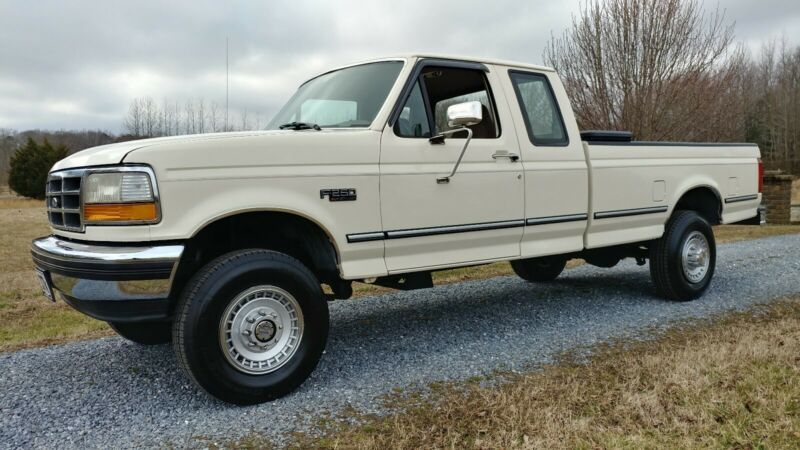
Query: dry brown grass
{"x": 734, "y": 233}
{"x": 27, "y": 320}
{"x": 731, "y": 383}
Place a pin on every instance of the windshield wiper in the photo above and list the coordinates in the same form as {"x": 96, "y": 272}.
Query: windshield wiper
{"x": 299, "y": 126}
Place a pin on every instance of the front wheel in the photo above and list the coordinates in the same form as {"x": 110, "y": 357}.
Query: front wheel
{"x": 251, "y": 326}
{"x": 682, "y": 261}
{"x": 144, "y": 333}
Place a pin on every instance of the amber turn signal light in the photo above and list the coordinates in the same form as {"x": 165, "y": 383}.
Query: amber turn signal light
{"x": 120, "y": 212}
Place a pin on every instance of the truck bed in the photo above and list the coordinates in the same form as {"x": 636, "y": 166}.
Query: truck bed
{"x": 628, "y": 179}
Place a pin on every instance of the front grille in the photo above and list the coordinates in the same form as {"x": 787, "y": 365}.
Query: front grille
{"x": 64, "y": 200}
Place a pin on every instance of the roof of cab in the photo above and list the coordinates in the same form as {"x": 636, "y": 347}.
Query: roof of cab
{"x": 408, "y": 56}
{"x": 499, "y": 62}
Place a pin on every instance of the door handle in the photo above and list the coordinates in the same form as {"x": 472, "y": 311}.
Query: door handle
{"x": 505, "y": 154}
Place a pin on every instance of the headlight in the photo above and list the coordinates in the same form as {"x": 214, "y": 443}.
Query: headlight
{"x": 122, "y": 197}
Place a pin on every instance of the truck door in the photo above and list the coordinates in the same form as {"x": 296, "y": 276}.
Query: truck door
{"x": 478, "y": 215}
{"x": 556, "y": 175}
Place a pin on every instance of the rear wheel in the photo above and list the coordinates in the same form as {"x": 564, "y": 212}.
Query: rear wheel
{"x": 546, "y": 268}
{"x": 144, "y": 333}
{"x": 251, "y": 326}
{"x": 682, "y": 262}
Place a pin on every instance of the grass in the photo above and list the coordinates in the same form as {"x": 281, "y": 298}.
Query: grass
{"x": 29, "y": 321}
{"x": 733, "y": 233}
{"x": 733, "y": 382}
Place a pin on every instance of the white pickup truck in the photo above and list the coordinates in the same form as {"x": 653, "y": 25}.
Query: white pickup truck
{"x": 380, "y": 172}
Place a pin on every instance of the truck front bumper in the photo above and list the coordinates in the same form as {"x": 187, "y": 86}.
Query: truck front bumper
{"x": 111, "y": 283}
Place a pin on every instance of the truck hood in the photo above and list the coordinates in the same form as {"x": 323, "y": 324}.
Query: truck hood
{"x": 115, "y": 153}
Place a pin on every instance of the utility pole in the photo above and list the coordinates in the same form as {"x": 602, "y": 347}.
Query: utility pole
{"x": 226, "y": 83}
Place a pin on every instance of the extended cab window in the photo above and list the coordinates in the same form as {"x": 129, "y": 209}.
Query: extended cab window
{"x": 443, "y": 87}
{"x": 539, "y": 109}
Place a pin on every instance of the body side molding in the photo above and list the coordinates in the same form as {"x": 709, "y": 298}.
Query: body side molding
{"x": 556, "y": 219}
{"x": 741, "y": 198}
{"x": 630, "y": 212}
{"x": 452, "y": 229}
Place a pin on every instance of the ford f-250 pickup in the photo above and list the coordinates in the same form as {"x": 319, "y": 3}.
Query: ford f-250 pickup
{"x": 381, "y": 172}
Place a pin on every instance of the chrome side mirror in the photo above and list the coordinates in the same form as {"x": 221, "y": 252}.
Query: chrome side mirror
{"x": 459, "y": 117}
{"x": 464, "y": 114}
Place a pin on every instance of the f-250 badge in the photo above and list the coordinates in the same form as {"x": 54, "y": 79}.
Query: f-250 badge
{"x": 338, "y": 195}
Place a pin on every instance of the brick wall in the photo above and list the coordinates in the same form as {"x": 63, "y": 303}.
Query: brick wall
{"x": 777, "y": 197}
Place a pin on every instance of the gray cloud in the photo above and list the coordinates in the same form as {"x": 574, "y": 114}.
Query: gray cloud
{"x": 78, "y": 64}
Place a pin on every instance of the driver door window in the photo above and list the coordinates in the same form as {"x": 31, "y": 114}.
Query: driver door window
{"x": 435, "y": 91}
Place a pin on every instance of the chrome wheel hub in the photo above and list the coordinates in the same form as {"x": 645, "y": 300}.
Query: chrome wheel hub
{"x": 695, "y": 257}
{"x": 261, "y": 329}
{"x": 265, "y": 331}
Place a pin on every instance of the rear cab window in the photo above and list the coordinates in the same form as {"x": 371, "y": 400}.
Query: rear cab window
{"x": 540, "y": 110}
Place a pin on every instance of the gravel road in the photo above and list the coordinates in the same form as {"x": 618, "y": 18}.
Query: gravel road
{"x": 109, "y": 393}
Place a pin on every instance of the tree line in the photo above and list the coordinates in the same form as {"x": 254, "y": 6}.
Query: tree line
{"x": 671, "y": 70}
{"x": 70, "y": 141}
{"x": 147, "y": 118}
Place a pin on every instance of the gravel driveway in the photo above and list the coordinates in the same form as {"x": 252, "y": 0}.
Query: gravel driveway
{"x": 110, "y": 393}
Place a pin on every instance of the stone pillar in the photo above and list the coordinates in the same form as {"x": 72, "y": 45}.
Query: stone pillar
{"x": 777, "y": 197}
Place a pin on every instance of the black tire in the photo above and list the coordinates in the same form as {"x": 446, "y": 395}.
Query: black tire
{"x": 204, "y": 300}
{"x": 666, "y": 258}
{"x": 543, "y": 269}
{"x": 144, "y": 333}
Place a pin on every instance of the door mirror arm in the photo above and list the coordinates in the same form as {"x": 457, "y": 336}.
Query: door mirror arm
{"x": 439, "y": 139}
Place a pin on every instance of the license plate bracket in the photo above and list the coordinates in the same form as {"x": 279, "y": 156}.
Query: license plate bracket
{"x": 46, "y": 284}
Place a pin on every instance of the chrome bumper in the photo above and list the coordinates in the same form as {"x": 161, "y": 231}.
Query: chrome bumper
{"x": 113, "y": 283}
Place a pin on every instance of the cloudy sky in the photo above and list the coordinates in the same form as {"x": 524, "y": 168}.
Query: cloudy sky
{"x": 77, "y": 64}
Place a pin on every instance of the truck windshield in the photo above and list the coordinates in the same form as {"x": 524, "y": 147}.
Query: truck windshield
{"x": 344, "y": 98}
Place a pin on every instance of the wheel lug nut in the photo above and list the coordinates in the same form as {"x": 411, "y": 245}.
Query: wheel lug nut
{"x": 262, "y": 313}
{"x": 246, "y": 332}
{"x": 251, "y": 320}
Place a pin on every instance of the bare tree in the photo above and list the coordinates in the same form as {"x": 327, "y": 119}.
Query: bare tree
{"x": 133, "y": 122}
{"x": 150, "y": 115}
{"x": 190, "y": 118}
{"x": 176, "y": 115}
{"x": 245, "y": 122}
{"x": 214, "y": 122}
{"x": 201, "y": 116}
{"x": 772, "y": 103}
{"x": 166, "y": 119}
{"x": 663, "y": 69}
